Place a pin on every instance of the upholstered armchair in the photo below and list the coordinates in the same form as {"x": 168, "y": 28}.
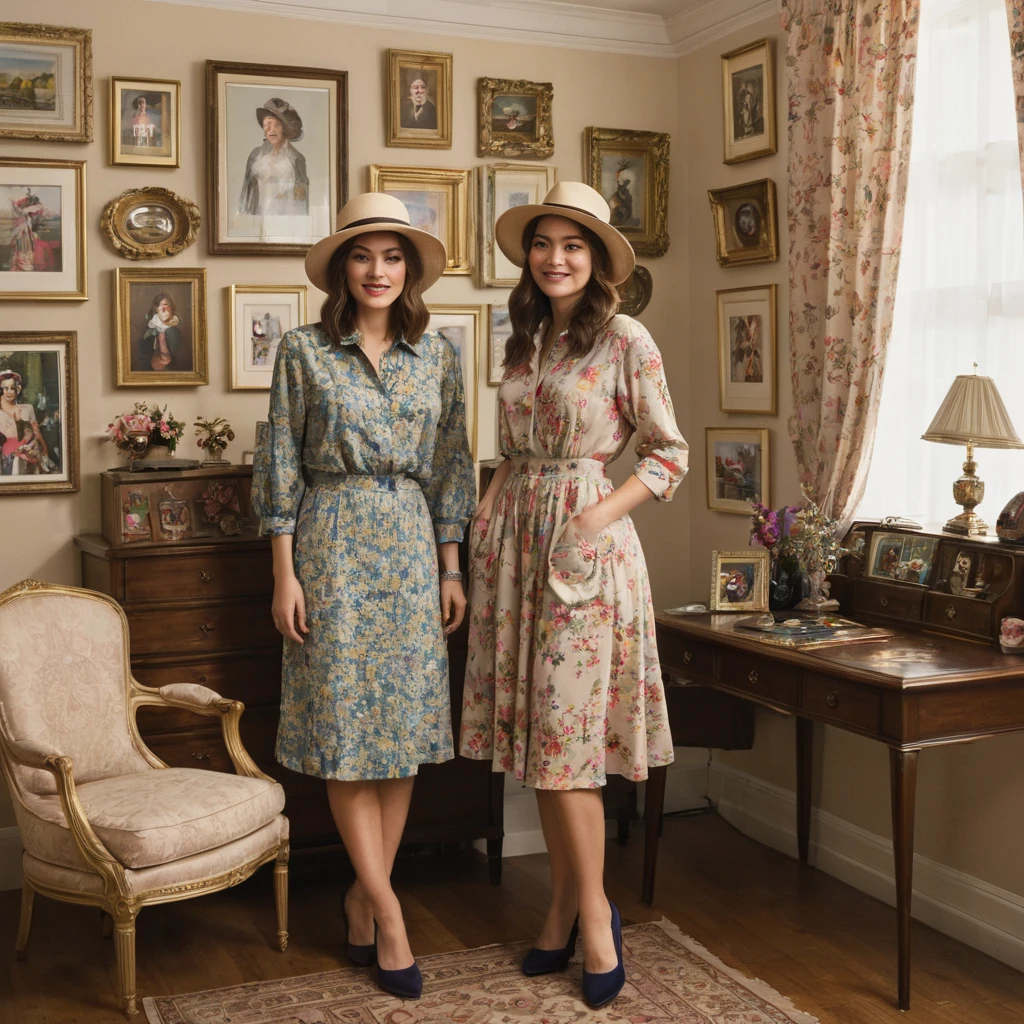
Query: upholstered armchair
{"x": 103, "y": 820}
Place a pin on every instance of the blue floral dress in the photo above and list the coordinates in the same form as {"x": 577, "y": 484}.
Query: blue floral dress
{"x": 368, "y": 472}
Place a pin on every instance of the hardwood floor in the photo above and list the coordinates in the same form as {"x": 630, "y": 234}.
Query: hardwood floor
{"x": 831, "y": 949}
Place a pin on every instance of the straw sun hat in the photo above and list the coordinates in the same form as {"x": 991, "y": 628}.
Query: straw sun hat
{"x": 575, "y": 201}
{"x": 375, "y": 211}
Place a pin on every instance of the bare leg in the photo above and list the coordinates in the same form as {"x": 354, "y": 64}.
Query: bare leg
{"x": 564, "y": 901}
{"x": 356, "y": 807}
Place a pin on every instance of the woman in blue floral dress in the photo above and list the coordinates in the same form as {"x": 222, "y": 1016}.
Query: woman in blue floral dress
{"x": 366, "y": 484}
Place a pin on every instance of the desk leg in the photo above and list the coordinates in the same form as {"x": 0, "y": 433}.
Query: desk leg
{"x": 804, "y": 773}
{"x": 903, "y": 775}
{"x": 654, "y": 804}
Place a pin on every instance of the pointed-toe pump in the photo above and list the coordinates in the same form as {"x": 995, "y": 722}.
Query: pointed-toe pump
{"x": 599, "y": 989}
{"x": 406, "y": 983}
{"x": 548, "y": 961}
{"x": 361, "y": 956}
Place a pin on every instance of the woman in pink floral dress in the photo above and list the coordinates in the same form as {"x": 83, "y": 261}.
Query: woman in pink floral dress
{"x": 563, "y": 683}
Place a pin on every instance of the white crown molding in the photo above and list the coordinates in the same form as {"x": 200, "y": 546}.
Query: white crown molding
{"x": 700, "y": 22}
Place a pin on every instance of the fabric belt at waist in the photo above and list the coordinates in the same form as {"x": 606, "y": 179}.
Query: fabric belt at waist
{"x": 360, "y": 481}
{"x": 525, "y": 466}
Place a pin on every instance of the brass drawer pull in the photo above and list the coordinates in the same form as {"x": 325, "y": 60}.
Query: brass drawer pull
{"x": 202, "y": 679}
{"x": 206, "y": 577}
{"x": 753, "y": 675}
{"x": 201, "y": 757}
{"x": 687, "y": 657}
{"x": 831, "y": 700}
{"x": 950, "y": 612}
{"x": 884, "y": 602}
{"x": 206, "y": 627}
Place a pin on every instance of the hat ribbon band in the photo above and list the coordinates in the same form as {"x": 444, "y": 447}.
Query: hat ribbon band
{"x": 576, "y": 209}
{"x": 375, "y": 220}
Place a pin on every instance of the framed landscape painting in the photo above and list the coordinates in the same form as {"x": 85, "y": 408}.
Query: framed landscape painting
{"x": 737, "y": 469}
{"x": 461, "y": 325}
{"x": 145, "y": 122}
{"x": 515, "y": 118}
{"x": 259, "y": 317}
{"x": 748, "y": 99}
{"x": 747, "y": 349}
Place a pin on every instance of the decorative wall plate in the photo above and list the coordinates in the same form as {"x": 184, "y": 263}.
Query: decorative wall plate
{"x": 636, "y": 292}
{"x": 147, "y": 223}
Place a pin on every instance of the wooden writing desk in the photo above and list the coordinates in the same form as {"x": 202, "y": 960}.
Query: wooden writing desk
{"x": 916, "y": 690}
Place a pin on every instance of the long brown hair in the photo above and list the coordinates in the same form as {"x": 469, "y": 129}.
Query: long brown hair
{"x": 528, "y": 306}
{"x": 408, "y": 316}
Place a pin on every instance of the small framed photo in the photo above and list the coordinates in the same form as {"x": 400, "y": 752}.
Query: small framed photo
{"x": 904, "y": 557}
{"x": 160, "y": 315}
{"x": 739, "y": 581}
{"x": 515, "y": 118}
{"x": 437, "y": 201}
{"x": 737, "y": 469}
{"x": 276, "y": 156}
{"x": 747, "y": 349}
{"x": 149, "y": 223}
{"x": 419, "y": 88}
{"x": 499, "y": 188}
{"x": 45, "y": 82}
{"x": 748, "y": 98}
{"x": 42, "y": 229}
{"x": 145, "y": 121}
{"x": 746, "y": 229}
{"x": 38, "y": 412}
{"x": 501, "y": 331}
{"x": 259, "y": 317}
{"x": 630, "y": 169}
{"x": 461, "y": 325}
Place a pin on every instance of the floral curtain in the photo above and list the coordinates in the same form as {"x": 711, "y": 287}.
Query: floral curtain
{"x": 850, "y": 67}
{"x": 1015, "y": 16}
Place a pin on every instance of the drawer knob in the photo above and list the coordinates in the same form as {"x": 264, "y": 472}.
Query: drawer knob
{"x": 831, "y": 700}
{"x": 950, "y": 612}
{"x": 884, "y": 602}
{"x": 687, "y": 657}
{"x": 753, "y": 675}
{"x": 205, "y": 627}
{"x": 206, "y": 577}
{"x": 202, "y": 679}
{"x": 200, "y": 757}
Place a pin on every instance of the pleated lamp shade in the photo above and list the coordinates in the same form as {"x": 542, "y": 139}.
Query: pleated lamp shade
{"x": 973, "y": 412}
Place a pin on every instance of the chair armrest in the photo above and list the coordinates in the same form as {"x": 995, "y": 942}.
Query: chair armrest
{"x": 200, "y": 699}
{"x": 31, "y": 754}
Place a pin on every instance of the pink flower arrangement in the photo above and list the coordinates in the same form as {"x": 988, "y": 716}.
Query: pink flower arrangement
{"x": 155, "y": 422}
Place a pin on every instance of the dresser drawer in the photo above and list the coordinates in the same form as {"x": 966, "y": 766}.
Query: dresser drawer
{"x": 203, "y": 746}
{"x": 769, "y": 681}
{"x": 894, "y": 602}
{"x": 965, "y": 615}
{"x": 685, "y": 657}
{"x": 203, "y": 628}
{"x": 198, "y": 576}
{"x": 841, "y": 703}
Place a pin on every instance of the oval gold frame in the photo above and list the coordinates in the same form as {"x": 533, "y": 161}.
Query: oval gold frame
{"x": 115, "y": 215}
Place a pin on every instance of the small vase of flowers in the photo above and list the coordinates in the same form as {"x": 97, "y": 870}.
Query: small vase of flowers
{"x": 145, "y": 431}
{"x": 213, "y": 437}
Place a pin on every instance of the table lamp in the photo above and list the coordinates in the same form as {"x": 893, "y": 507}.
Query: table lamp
{"x": 973, "y": 414}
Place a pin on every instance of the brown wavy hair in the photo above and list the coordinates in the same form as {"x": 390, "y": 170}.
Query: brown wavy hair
{"x": 408, "y": 316}
{"x": 528, "y": 306}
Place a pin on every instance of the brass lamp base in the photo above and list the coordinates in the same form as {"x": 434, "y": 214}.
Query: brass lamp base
{"x": 968, "y": 492}
{"x": 968, "y": 524}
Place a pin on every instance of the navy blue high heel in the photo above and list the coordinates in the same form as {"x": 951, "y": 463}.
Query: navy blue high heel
{"x": 547, "y": 961}
{"x": 406, "y": 983}
{"x": 361, "y": 956}
{"x": 599, "y": 989}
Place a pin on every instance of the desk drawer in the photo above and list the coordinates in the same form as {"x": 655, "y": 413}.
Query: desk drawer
{"x": 959, "y": 615}
{"x": 769, "y": 681}
{"x": 209, "y": 628}
{"x": 842, "y": 703}
{"x": 206, "y": 576}
{"x": 888, "y": 599}
{"x": 685, "y": 657}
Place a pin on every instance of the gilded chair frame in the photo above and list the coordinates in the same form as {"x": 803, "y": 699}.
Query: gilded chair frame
{"x": 117, "y": 900}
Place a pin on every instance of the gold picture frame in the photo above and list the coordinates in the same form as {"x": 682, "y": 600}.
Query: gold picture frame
{"x": 173, "y": 354}
{"x": 438, "y": 202}
{"x": 739, "y": 580}
{"x": 42, "y": 230}
{"x": 145, "y": 122}
{"x": 419, "y": 116}
{"x": 498, "y": 333}
{"x": 747, "y": 349}
{"x": 462, "y": 326}
{"x": 746, "y": 223}
{"x": 61, "y": 55}
{"x": 251, "y": 367}
{"x": 515, "y": 118}
{"x": 46, "y": 364}
{"x": 748, "y": 102}
{"x": 737, "y": 468}
{"x": 150, "y": 223}
{"x": 630, "y": 169}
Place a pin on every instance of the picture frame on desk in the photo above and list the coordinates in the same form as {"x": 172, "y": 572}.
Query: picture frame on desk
{"x": 739, "y": 581}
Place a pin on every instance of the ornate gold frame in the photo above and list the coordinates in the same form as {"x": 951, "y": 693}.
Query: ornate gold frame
{"x": 736, "y": 57}
{"x": 492, "y": 143}
{"x": 125, "y": 376}
{"x": 115, "y": 215}
{"x": 759, "y": 599}
{"x": 738, "y": 434}
{"x": 651, "y": 239}
{"x": 724, "y": 353}
{"x": 80, "y": 40}
{"x": 767, "y": 249}
{"x": 70, "y": 419}
{"x": 417, "y": 138}
{"x": 391, "y": 177}
{"x": 470, "y": 386}
{"x": 119, "y": 84}
{"x": 299, "y": 290}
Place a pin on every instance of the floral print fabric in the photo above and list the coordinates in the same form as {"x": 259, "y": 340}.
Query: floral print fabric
{"x": 850, "y": 69}
{"x": 563, "y": 683}
{"x": 368, "y": 471}
{"x": 1015, "y": 19}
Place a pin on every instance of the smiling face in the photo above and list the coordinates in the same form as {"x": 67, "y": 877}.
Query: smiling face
{"x": 418, "y": 92}
{"x": 273, "y": 130}
{"x": 560, "y": 259}
{"x": 375, "y": 270}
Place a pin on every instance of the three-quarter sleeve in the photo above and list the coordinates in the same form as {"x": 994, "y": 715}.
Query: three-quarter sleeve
{"x": 278, "y": 484}
{"x": 451, "y": 489}
{"x": 662, "y": 453}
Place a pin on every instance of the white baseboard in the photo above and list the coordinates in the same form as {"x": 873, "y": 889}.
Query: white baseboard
{"x": 10, "y": 858}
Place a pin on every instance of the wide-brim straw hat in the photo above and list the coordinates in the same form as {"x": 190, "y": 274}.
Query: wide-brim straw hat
{"x": 578, "y": 202}
{"x": 376, "y": 211}
{"x": 285, "y": 113}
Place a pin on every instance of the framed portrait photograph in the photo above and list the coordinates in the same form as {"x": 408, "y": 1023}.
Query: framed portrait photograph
{"x": 748, "y": 100}
{"x": 45, "y": 82}
{"x": 499, "y": 188}
{"x": 515, "y": 118}
{"x": 419, "y": 86}
{"x": 145, "y": 121}
{"x": 501, "y": 331}
{"x": 907, "y": 558}
{"x": 277, "y": 156}
{"x": 259, "y": 317}
{"x": 737, "y": 469}
{"x": 160, "y": 315}
{"x": 461, "y": 325}
{"x": 746, "y": 228}
{"x": 739, "y": 581}
{"x": 630, "y": 169}
{"x": 437, "y": 201}
{"x": 149, "y": 223}
{"x": 42, "y": 229}
{"x": 747, "y": 349}
{"x": 38, "y": 412}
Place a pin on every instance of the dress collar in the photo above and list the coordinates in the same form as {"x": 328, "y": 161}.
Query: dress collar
{"x": 353, "y": 339}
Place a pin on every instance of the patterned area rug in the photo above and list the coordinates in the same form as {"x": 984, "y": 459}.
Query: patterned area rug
{"x": 670, "y": 979}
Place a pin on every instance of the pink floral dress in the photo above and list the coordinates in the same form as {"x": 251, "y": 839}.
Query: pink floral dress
{"x": 563, "y": 683}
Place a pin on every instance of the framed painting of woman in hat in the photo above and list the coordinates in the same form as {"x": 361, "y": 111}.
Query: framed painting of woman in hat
{"x": 277, "y": 156}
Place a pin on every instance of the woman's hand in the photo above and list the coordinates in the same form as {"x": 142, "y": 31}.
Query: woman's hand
{"x": 289, "y": 609}
{"x": 591, "y": 521}
{"x": 453, "y": 605}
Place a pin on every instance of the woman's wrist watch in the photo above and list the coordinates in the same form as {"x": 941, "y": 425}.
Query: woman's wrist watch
{"x": 451, "y": 576}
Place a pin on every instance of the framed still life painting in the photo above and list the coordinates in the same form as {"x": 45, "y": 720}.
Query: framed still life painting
{"x": 277, "y": 156}
{"x": 748, "y": 99}
{"x": 38, "y": 412}
{"x": 739, "y": 581}
{"x": 461, "y": 325}
{"x": 515, "y": 118}
{"x": 746, "y": 229}
{"x": 419, "y": 87}
{"x": 737, "y": 469}
{"x": 145, "y": 121}
{"x": 259, "y": 317}
{"x": 747, "y": 349}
